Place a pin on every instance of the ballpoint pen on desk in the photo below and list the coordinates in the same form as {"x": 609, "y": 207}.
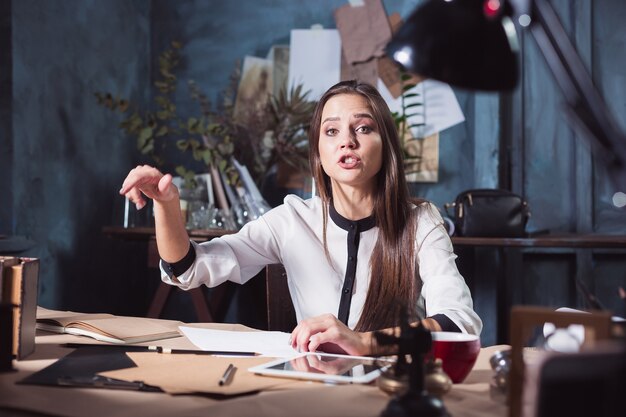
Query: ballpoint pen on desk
{"x": 228, "y": 373}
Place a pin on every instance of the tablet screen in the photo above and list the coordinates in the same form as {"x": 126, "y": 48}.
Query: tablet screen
{"x": 327, "y": 367}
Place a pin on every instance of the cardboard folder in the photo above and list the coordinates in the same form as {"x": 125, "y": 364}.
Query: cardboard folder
{"x": 80, "y": 369}
{"x": 190, "y": 374}
{"x": 18, "y": 286}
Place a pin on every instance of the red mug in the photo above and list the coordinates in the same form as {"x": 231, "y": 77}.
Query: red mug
{"x": 457, "y": 351}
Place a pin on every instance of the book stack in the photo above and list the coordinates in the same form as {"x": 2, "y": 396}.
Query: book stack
{"x": 18, "y": 289}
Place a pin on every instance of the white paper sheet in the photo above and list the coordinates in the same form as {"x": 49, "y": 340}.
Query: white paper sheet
{"x": 255, "y": 86}
{"x": 314, "y": 60}
{"x": 442, "y": 110}
{"x": 275, "y": 344}
{"x": 247, "y": 180}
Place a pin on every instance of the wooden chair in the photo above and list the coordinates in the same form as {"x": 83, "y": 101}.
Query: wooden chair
{"x": 281, "y": 315}
{"x": 523, "y": 320}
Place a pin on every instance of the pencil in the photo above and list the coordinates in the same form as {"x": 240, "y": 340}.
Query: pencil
{"x": 202, "y": 352}
{"x": 161, "y": 349}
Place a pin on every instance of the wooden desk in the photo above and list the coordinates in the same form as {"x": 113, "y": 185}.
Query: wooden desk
{"x": 163, "y": 292}
{"x": 510, "y": 263}
{"x": 471, "y": 398}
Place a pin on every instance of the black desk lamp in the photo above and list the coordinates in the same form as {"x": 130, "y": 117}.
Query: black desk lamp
{"x": 472, "y": 44}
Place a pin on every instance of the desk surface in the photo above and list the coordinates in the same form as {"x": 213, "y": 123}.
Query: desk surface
{"x": 471, "y": 398}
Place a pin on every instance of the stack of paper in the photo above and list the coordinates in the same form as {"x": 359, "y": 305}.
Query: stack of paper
{"x": 274, "y": 344}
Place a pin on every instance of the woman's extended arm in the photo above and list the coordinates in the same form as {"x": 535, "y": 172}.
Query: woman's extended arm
{"x": 171, "y": 235}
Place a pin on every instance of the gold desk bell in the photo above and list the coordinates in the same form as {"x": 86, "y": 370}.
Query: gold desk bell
{"x": 436, "y": 381}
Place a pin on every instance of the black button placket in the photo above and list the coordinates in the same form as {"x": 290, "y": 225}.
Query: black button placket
{"x": 348, "y": 281}
{"x": 354, "y": 229}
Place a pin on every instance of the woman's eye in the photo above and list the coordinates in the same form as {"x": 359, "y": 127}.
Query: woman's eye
{"x": 363, "y": 129}
{"x": 331, "y": 131}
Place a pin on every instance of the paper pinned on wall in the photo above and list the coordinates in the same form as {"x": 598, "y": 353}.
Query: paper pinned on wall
{"x": 441, "y": 109}
{"x": 388, "y": 70}
{"x": 255, "y": 86}
{"x": 365, "y": 71}
{"x": 365, "y": 31}
{"x": 279, "y": 56}
{"x": 314, "y": 60}
{"x": 422, "y": 162}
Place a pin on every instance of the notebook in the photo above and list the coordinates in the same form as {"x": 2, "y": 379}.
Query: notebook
{"x": 107, "y": 327}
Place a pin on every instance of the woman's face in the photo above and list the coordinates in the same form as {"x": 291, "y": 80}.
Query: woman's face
{"x": 350, "y": 146}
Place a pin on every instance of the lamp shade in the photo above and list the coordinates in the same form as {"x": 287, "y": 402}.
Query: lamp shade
{"x": 459, "y": 42}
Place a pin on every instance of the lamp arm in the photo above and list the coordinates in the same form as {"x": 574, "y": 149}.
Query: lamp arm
{"x": 585, "y": 106}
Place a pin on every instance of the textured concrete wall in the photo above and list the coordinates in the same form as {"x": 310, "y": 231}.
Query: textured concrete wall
{"x": 68, "y": 156}
{"x": 6, "y": 125}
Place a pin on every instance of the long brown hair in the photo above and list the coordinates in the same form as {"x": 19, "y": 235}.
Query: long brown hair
{"x": 394, "y": 284}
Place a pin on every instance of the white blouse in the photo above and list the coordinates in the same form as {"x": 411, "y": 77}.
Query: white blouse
{"x": 291, "y": 234}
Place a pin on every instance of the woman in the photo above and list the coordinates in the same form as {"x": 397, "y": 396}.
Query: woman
{"x": 354, "y": 256}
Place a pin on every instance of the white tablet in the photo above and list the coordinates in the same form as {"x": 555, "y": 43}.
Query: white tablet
{"x": 326, "y": 367}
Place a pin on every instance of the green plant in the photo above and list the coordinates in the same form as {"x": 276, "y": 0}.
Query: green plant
{"x": 277, "y": 133}
{"x": 286, "y": 138}
{"x": 205, "y": 137}
{"x": 411, "y": 105}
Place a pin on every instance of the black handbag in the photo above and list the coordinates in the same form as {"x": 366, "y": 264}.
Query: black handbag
{"x": 490, "y": 213}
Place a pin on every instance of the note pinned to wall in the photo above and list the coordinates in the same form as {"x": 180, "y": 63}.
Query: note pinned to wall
{"x": 255, "y": 86}
{"x": 441, "y": 109}
{"x": 422, "y": 159}
{"x": 279, "y": 56}
{"x": 314, "y": 60}
{"x": 364, "y": 72}
{"x": 365, "y": 30}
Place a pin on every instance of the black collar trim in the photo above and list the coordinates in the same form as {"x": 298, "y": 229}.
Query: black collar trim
{"x": 361, "y": 225}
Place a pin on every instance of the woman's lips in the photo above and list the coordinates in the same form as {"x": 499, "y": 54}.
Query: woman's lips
{"x": 349, "y": 161}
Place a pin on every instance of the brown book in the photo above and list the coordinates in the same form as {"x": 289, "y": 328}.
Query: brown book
{"x": 20, "y": 278}
{"x": 6, "y": 262}
{"x": 107, "y": 327}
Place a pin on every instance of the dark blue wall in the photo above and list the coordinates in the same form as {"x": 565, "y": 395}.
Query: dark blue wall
{"x": 6, "y": 122}
{"x": 67, "y": 157}
{"x": 62, "y": 157}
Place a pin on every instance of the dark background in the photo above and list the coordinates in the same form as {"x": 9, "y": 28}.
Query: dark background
{"x": 63, "y": 157}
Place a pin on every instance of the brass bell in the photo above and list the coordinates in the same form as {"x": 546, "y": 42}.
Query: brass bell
{"x": 436, "y": 381}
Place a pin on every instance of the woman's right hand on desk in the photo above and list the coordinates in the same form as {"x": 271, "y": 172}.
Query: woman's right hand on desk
{"x": 327, "y": 334}
{"x": 148, "y": 181}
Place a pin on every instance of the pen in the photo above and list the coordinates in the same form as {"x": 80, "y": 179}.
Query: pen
{"x": 201, "y": 352}
{"x": 227, "y": 374}
{"x": 128, "y": 348}
{"x": 161, "y": 349}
